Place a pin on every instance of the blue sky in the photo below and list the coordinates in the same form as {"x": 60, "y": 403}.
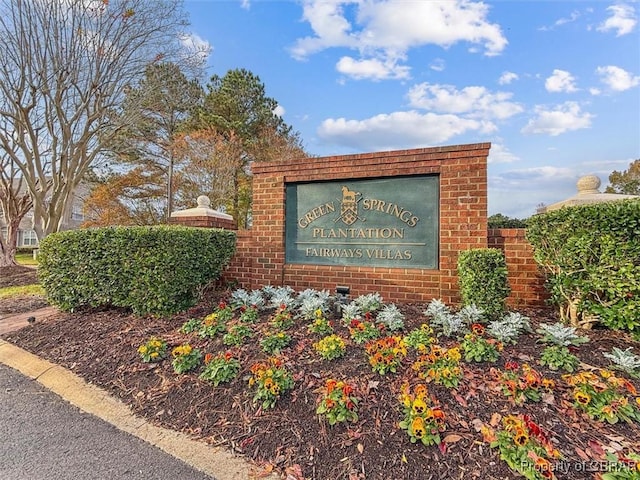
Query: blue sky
{"x": 553, "y": 85}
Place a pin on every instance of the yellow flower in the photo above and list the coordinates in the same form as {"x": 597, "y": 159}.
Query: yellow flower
{"x": 582, "y": 398}
{"x": 521, "y": 439}
{"x": 454, "y": 355}
{"x": 154, "y": 355}
{"x": 419, "y": 406}
{"x": 142, "y": 349}
{"x": 606, "y": 373}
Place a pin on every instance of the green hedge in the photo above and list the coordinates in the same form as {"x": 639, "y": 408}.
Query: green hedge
{"x": 151, "y": 270}
{"x": 482, "y": 274}
{"x": 591, "y": 255}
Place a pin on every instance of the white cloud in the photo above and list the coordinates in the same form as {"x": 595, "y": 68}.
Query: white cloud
{"x": 474, "y": 101}
{"x": 501, "y": 154}
{"x": 562, "y": 21}
{"x": 623, "y": 20}
{"x": 387, "y": 30}
{"x": 437, "y": 64}
{"x": 594, "y": 91}
{"x": 279, "y": 111}
{"x": 196, "y": 47}
{"x": 373, "y": 69}
{"x": 409, "y": 129}
{"x": 560, "y": 81}
{"x": 563, "y": 118}
{"x": 507, "y": 77}
{"x": 617, "y": 79}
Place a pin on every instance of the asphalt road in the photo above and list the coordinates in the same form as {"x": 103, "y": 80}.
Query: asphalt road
{"x": 42, "y": 437}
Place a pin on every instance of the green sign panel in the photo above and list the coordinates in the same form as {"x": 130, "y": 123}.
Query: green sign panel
{"x": 388, "y": 222}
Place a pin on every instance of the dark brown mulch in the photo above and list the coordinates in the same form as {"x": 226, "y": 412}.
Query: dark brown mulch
{"x": 21, "y": 304}
{"x": 101, "y": 347}
{"x": 17, "y": 276}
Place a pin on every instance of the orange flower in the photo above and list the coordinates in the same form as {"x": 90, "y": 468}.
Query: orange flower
{"x": 331, "y": 384}
{"x": 207, "y": 358}
{"x": 417, "y": 427}
{"x": 521, "y": 439}
{"x": 477, "y": 329}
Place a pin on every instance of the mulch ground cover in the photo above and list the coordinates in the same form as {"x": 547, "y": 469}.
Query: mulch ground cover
{"x": 101, "y": 346}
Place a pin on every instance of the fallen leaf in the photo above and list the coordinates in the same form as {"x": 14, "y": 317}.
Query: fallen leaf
{"x": 460, "y": 400}
{"x": 495, "y": 419}
{"x": 477, "y": 424}
{"x": 404, "y": 458}
{"x": 581, "y": 453}
{"x": 452, "y": 438}
{"x": 360, "y": 447}
{"x": 597, "y": 448}
{"x": 443, "y": 447}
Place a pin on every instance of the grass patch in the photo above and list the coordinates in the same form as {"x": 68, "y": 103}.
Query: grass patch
{"x": 10, "y": 292}
{"x": 26, "y": 259}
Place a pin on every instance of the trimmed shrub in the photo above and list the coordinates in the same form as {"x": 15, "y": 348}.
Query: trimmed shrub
{"x": 151, "y": 270}
{"x": 591, "y": 255}
{"x": 482, "y": 274}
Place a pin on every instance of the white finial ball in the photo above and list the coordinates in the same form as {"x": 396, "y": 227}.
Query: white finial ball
{"x": 204, "y": 202}
{"x": 588, "y": 184}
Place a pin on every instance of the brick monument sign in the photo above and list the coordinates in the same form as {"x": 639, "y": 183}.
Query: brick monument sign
{"x": 387, "y": 222}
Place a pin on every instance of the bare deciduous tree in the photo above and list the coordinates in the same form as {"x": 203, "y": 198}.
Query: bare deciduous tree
{"x": 64, "y": 66}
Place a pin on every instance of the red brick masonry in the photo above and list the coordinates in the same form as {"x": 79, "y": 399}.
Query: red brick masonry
{"x": 462, "y": 169}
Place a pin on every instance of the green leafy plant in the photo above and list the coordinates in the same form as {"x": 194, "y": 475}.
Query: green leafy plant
{"x": 587, "y": 253}
{"x": 420, "y": 338}
{"x": 270, "y": 380}
{"x": 273, "y": 343}
{"x": 338, "y": 402}
{"x": 220, "y": 368}
{"x": 524, "y": 446}
{"x": 321, "y": 325}
{"x": 440, "y": 365}
{"x": 212, "y": 325}
{"x": 482, "y": 275}
{"x": 191, "y": 325}
{"x": 237, "y": 335}
{"x": 362, "y": 331}
{"x": 422, "y": 420}
{"x": 248, "y": 314}
{"x": 185, "y": 358}
{"x": 153, "y": 350}
{"x": 157, "y": 270}
{"x": 622, "y": 466}
{"x": 330, "y": 347}
{"x": 604, "y": 396}
{"x": 625, "y": 360}
{"x": 282, "y": 319}
{"x": 476, "y": 348}
{"x": 559, "y": 358}
{"x": 386, "y": 354}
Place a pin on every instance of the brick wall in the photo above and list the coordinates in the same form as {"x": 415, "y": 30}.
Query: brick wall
{"x": 462, "y": 170}
{"x": 527, "y": 282}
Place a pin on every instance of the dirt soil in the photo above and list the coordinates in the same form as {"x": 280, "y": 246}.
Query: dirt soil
{"x": 101, "y": 346}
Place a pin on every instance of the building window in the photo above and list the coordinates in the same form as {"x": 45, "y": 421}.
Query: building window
{"x": 29, "y": 238}
{"x": 77, "y": 213}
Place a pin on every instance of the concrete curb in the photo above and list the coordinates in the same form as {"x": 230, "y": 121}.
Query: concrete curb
{"x": 214, "y": 461}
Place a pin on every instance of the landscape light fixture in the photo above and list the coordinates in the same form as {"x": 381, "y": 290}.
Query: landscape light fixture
{"x": 342, "y": 290}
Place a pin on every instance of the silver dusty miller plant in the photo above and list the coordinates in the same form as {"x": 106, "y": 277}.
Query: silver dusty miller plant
{"x": 509, "y": 328}
{"x": 561, "y": 335}
{"x": 391, "y": 317}
{"x": 242, "y": 298}
{"x": 625, "y": 360}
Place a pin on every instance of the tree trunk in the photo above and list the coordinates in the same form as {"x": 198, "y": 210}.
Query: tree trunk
{"x": 8, "y": 247}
